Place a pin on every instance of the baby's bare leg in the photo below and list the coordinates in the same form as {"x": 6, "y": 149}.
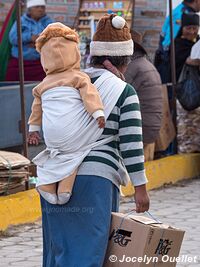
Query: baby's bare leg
{"x": 48, "y": 192}
{"x": 50, "y": 188}
{"x": 66, "y": 185}
{"x": 65, "y": 188}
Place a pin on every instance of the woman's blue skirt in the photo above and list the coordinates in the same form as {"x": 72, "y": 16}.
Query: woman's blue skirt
{"x": 76, "y": 234}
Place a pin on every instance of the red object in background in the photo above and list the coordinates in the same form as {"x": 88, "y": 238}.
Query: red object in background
{"x": 33, "y": 70}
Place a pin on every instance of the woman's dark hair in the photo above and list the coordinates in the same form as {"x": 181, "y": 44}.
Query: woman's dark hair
{"x": 117, "y": 61}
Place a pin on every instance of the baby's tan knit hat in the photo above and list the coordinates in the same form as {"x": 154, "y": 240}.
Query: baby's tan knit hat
{"x": 112, "y": 37}
{"x": 53, "y": 30}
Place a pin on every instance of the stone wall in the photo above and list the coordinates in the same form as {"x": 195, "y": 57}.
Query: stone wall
{"x": 148, "y": 19}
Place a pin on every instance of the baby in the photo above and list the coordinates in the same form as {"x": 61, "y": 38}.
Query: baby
{"x": 60, "y": 58}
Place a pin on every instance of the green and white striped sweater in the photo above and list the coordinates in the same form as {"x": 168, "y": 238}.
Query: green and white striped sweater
{"x": 124, "y": 157}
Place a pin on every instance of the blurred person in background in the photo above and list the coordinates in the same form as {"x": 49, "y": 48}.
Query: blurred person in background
{"x": 145, "y": 79}
{"x": 33, "y": 22}
{"x": 162, "y": 58}
{"x": 184, "y": 42}
{"x": 188, "y": 49}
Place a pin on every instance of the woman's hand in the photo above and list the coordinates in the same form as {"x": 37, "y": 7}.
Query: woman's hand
{"x": 32, "y": 45}
{"x": 141, "y": 199}
{"x": 33, "y": 138}
{"x": 34, "y": 38}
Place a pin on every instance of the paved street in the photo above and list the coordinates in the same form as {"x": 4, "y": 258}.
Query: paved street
{"x": 177, "y": 205}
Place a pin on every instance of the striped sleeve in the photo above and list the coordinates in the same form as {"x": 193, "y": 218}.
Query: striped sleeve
{"x": 130, "y": 136}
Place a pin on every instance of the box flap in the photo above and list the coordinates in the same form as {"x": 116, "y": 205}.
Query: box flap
{"x": 139, "y": 218}
{"x": 143, "y": 219}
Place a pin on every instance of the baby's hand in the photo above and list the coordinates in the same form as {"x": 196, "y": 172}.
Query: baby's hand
{"x": 33, "y": 138}
{"x": 101, "y": 122}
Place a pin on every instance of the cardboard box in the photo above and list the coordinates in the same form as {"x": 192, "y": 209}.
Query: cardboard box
{"x": 167, "y": 131}
{"x": 140, "y": 241}
{"x": 12, "y": 159}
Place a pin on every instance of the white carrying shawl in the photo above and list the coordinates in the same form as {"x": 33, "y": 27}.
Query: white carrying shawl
{"x": 70, "y": 132}
{"x": 195, "y": 51}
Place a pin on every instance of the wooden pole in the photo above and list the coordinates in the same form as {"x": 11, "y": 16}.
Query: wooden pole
{"x": 21, "y": 76}
{"x": 75, "y": 24}
{"x": 133, "y": 13}
{"x": 173, "y": 71}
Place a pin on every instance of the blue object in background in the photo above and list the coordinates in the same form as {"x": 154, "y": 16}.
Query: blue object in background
{"x": 118, "y": 4}
{"x": 10, "y": 110}
{"x": 110, "y": 11}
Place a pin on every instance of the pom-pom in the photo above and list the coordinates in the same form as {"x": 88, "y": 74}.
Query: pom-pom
{"x": 118, "y": 22}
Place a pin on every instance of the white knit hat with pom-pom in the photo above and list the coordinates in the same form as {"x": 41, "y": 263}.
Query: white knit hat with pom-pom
{"x": 32, "y": 3}
{"x": 112, "y": 37}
